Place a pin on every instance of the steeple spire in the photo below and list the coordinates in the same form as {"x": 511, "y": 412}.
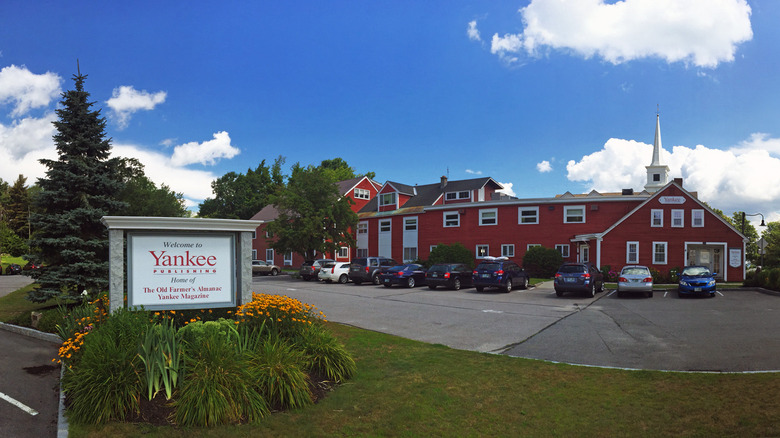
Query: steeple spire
{"x": 657, "y": 173}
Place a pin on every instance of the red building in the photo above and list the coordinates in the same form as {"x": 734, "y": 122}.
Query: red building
{"x": 664, "y": 227}
{"x": 360, "y": 190}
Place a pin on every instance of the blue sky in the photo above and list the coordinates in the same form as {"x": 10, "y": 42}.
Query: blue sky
{"x": 545, "y": 96}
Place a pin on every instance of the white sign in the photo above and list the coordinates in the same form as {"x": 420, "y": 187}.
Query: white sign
{"x": 672, "y": 200}
{"x": 735, "y": 257}
{"x": 181, "y": 271}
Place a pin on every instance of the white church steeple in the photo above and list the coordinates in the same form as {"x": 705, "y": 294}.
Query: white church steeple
{"x": 657, "y": 173}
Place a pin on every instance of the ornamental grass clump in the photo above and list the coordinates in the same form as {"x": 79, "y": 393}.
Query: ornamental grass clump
{"x": 105, "y": 383}
{"x": 325, "y": 355}
{"x": 218, "y": 387}
{"x": 280, "y": 372}
{"x": 161, "y": 355}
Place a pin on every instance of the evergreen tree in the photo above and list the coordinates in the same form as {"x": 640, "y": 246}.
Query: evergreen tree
{"x": 79, "y": 188}
{"x": 18, "y": 208}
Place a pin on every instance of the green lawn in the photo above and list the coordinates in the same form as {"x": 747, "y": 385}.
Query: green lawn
{"x": 409, "y": 388}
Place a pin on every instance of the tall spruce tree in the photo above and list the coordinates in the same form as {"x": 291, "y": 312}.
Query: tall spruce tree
{"x": 79, "y": 188}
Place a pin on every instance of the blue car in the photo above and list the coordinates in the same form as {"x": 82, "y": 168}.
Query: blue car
{"x": 409, "y": 275}
{"x": 696, "y": 280}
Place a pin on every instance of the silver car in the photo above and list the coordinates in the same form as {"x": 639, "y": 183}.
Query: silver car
{"x": 635, "y": 279}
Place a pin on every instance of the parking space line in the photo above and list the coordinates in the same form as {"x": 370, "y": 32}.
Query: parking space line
{"x": 19, "y": 404}
{"x": 610, "y": 294}
{"x": 718, "y": 292}
{"x": 666, "y": 292}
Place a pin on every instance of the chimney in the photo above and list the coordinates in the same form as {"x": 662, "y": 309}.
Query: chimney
{"x": 678, "y": 181}
{"x": 628, "y": 192}
{"x": 443, "y": 182}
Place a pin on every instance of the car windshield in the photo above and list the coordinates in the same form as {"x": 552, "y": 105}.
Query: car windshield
{"x": 572, "y": 269}
{"x": 328, "y": 265}
{"x": 397, "y": 268}
{"x": 490, "y": 266}
{"x": 696, "y": 271}
{"x": 635, "y": 271}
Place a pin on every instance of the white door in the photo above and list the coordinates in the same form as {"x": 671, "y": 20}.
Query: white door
{"x": 385, "y": 238}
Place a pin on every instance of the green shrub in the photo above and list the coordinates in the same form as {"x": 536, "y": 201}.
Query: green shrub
{"x": 773, "y": 279}
{"x": 278, "y": 368}
{"x": 194, "y": 332}
{"x": 542, "y": 262}
{"x": 326, "y": 355}
{"x": 218, "y": 387}
{"x": 454, "y": 253}
{"x": 160, "y": 353}
{"x": 49, "y": 321}
{"x": 104, "y": 384}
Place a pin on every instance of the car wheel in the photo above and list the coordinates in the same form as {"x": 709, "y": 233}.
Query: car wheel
{"x": 456, "y": 284}
{"x": 375, "y": 279}
{"x": 410, "y": 282}
{"x": 601, "y": 287}
{"x": 524, "y": 284}
{"x": 431, "y": 286}
{"x": 591, "y": 292}
{"x": 479, "y": 288}
{"x": 274, "y": 272}
{"x": 343, "y": 279}
{"x": 508, "y": 287}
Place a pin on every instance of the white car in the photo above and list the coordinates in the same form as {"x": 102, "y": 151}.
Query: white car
{"x": 338, "y": 271}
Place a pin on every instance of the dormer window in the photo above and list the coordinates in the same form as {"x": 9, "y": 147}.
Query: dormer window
{"x": 386, "y": 199}
{"x": 457, "y": 196}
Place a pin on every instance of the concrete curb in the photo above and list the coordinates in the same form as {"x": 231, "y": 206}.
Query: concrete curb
{"x": 62, "y": 422}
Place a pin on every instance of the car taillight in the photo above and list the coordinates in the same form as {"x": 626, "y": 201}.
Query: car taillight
{"x": 500, "y": 272}
{"x": 648, "y": 280}
{"x": 557, "y": 274}
{"x": 313, "y": 268}
{"x": 623, "y": 280}
{"x": 366, "y": 269}
{"x": 333, "y": 270}
{"x": 475, "y": 272}
{"x": 446, "y": 275}
{"x": 586, "y": 275}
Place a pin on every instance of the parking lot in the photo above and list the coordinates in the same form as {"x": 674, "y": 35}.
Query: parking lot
{"x": 738, "y": 330}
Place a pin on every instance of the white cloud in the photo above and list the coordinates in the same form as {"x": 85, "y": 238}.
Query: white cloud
{"x": 194, "y": 185}
{"x": 473, "y": 172}
{"x": 26, "y": 135}
{"x": 544, "y": 166}
{"x": 26, "y": 90}
{"x": 473, "y": 32}
{"x": 126, "y": 100}
{"x": 745, "y": 177}
{"x": 507, "y": 190}
{"x": 700, "y": 32}
{"x": 206, "y": 153}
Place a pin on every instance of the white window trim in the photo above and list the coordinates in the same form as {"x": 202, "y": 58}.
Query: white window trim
{"x": 345, "y": 250}
{"x": 416, "y": 255}
{"x": 362, "y": 227}
{"x": 254, "y": 254}
{"x": 456, "y": 196}
{"x": 628, "y": 253}
{"x": 362, "y": 194}
{"x": 488, "y": 210}
{"x": 666, "y": 253}
{"x": 388, "y": 222}
{"x": 288, "y": 258}
{"x": 520, "y": 211}
{"x": 531, "y": 245}
{"x": 444, "y": 219}
{"x": 254, "y": 235}
{"x": 682, "y": 218}
{"x": 566, "y": 209}
{"x": 660, "y": 216}
{"x": 507, "y": 246}
{"x": 393, "y": 203}
{"x": 694, "y": 213}
{"x": 560, "y": 246}
{"x": 407, "y": 220}
{"x": 269, "y": 251}
{"x": 362, "y": 252}
{"x": 487, "y": 251}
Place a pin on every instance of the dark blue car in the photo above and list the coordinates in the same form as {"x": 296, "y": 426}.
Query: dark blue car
{"x": 696, "y": 280}
{"x": 409, "y": 275}
{"x": 500, "y": 273}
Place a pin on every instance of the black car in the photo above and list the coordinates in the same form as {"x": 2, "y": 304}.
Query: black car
{"x": 499, "y": 272}
{"x": 13, "y": 269}
{"x": 367, "y": 269}
{"x": 311, "y": 268}
{"x": 578, "y": 277}
{"x": 449, "y": 275}
{"x": 409, "y": 275}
